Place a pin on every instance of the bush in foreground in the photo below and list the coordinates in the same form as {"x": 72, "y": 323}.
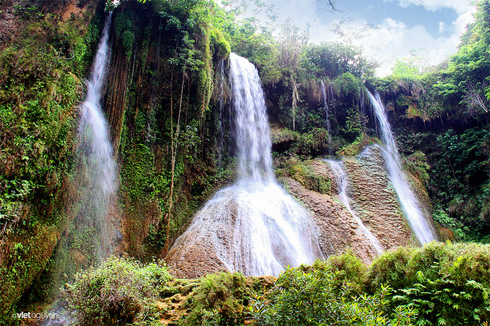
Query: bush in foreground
{"x": 303, "y": 297}
{"x": 439, "y": 284}
{"x": 119, "y": 292}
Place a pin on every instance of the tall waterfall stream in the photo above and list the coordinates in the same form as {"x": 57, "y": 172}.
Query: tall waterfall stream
{"x": 408, "y": 201}
{"x": 253, "y": 226}
{"x": 96, "y": 153}
{"x": 97, "y": 173}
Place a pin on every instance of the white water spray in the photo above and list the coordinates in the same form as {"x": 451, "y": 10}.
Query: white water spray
{"x": 342, "y": 183}
{"x": 96, "y": 154}
{"x": 98, "y": 177}
{"x": 253, "y": 226}
{"x": 409, "y": 203}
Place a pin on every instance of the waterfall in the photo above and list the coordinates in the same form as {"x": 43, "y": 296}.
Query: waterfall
{"x": 96, "y": 155}
{"x": 409, "y": 203}
{"x": 252, "y": 132}
{"x": 97, "y": 184}
{"x": 342, "y": 182}
{"x": 327, "y": 118}
{"x": 253, "y": 226}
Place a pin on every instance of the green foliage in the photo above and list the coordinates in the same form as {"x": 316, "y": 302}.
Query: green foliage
{"x": 356, "y": 146}
{"x": 348, "y": 85}
{"x": 162, "y": 104}
{"x": 314, "y": 142}
{"x": 219, "y": 299}
{"x": 221, "y": 46}
{"x": 439, "y": 284}
{"x": 27, "y": 257}
{"x": 310, "y": 144}
{"x": 138, "y": 173}
{"x": 40, "y": 77}
{"x": 120, "y": 291}
{"x": 351, "y": 271}
{"x": 408, "y": 68}
{"x": 284, "y": 138}
{"x": 465, "y": 80}
{"x": 334, "y": 59}
{"x": 353, "y": 125}
{"x": 457, "y": 227}
{"x": 447, "y": 284}
{"x": 439, "y": 301}
{"x": 124, "y": 29}
{"x": 418, "y": 165}
{"x": 313, "y": 297}
{"x": 28, "y": 12}
{"x": 304, "y": 172}
{"x": 462, "y": 160}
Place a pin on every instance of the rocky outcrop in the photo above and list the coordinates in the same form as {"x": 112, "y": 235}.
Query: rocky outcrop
{"x": 254, "y": 228}
{"x": 372, "y": 198}
{"x": 335, "y": 227}
{"x": 375, "y": 200}
{"x": 195, "y": 253}
{"x": 201, "y": 250}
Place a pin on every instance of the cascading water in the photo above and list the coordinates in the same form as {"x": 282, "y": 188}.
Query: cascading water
{"x": 342, "y": 182}
{"x": 98, "y": 179}
{"x": 95, "y": 151}
{"x": 409, "y": 203}
{"x": 253, "y": 226}
{"x": 327, "y": 117}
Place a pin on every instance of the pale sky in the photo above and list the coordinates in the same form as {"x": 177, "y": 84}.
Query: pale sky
{"x": 385, "y": 29}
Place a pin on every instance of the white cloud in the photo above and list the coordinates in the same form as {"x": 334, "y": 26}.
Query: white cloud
{"x": 442, "y": 27}
{"x": 389, "y": 40}
{"x": 460, "y": 6}
{"x": 393, "y": 39}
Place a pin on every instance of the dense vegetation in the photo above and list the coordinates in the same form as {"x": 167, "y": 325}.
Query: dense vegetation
{"x": 440, "y": 284}
{"x": 41, "y": 77}
{"x": 450, "y": 105}
{"x": 167, "y": 109}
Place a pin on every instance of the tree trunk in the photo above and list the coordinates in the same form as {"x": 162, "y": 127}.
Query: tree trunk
{"x": 173, "y": 148}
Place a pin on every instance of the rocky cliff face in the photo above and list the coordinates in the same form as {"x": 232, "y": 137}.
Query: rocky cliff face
{"x": 371, "y": 196}
{"x": 373, "y": 200}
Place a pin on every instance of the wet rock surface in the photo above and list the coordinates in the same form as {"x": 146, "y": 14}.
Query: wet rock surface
{"x": 372, "y": 197}
{"x": 375, "y": 201}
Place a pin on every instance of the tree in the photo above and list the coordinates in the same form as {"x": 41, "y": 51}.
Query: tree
{"x": 465, "y": 79}
{"x": 408, "y": 67}
{"x": 291, "y": 46}
{"x": 333, "y": 59}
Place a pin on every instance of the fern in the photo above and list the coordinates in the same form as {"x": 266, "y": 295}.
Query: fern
{"x": 443, "y": 302}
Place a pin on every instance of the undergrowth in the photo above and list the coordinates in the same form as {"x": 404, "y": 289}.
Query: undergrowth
{"x": 439, "y": 284}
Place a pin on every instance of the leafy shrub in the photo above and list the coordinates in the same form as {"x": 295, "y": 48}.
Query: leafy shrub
{"x": 354, "y": 148}
{"x": 447, "y": 284}
{"x": 315, "y": 297}
{"x": 390, "y": 268}
{"x": 443, "y": 302}
{"x": 120, "y": 291}
{"x": 314, "y": 142}
{"x": 417, "y": 165}
{"x": 351, "y": 271}
{"x": 219, "y": 299}
{"x": 283, "y": 139}
{"x": 443, "y": 218}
